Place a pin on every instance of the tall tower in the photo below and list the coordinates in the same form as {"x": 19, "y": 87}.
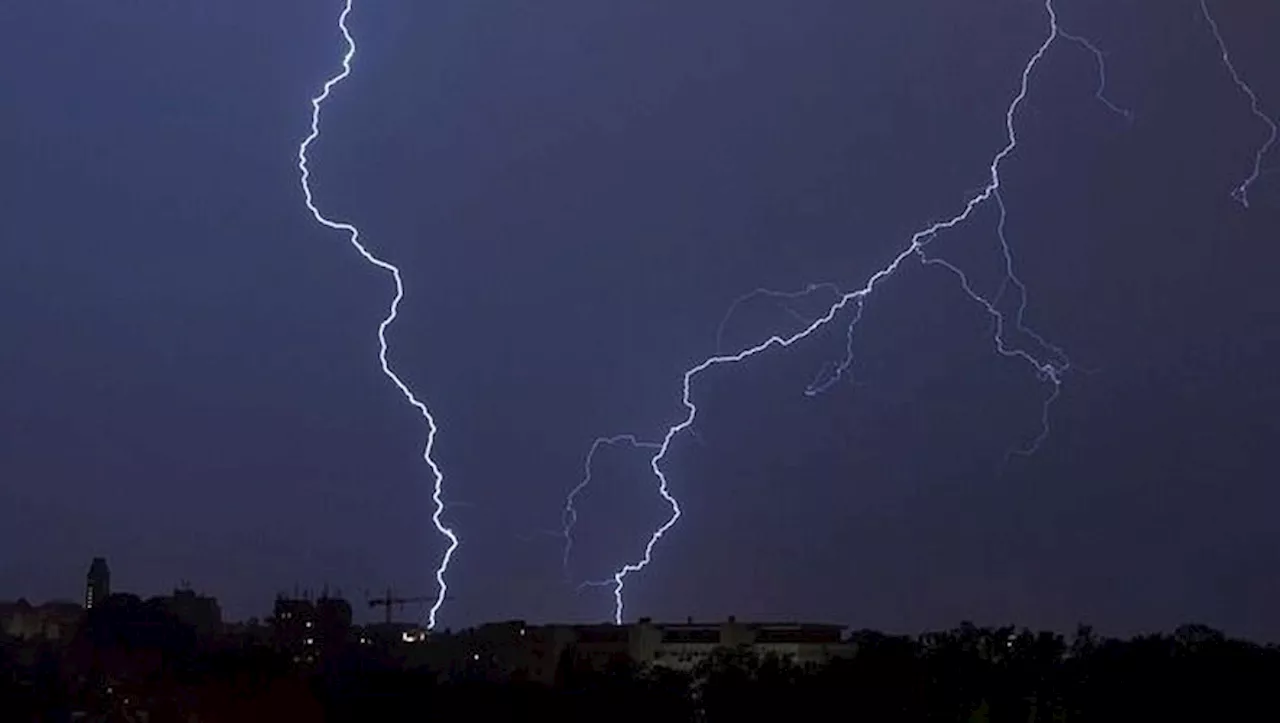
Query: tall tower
{"x": 98, "y": 585}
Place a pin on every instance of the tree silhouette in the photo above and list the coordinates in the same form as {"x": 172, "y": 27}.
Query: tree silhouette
{"x": 967, "y": 674}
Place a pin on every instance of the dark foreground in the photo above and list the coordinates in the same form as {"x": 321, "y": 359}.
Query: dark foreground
{"x": 966, "y": 674}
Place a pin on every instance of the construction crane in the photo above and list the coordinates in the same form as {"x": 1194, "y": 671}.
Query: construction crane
{"x": 391, "y": 600}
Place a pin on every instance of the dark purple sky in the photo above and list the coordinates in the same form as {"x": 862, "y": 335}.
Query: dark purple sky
{"x": 576, "y": 191}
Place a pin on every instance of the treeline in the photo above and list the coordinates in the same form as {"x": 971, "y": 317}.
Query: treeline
{"x": 968, "y": 674}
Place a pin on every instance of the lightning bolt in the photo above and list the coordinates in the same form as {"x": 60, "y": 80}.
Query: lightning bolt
{"x": 1241, "y": 192}
{"x": 353, "y": 235}
{"x": 831, "y": 372}
{"x": 1101, "y": 64}
{"x": 781, "y": 297}
{"x": 569, "y": 517}
{"x": 1048, "y": 362}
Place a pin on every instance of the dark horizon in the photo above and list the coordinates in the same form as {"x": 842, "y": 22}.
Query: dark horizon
{"x": 365, "y": 614}
{"x": 168, "y": 660}
{"x": 576, "y": 195}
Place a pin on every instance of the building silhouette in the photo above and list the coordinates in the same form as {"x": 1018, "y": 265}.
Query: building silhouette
{"x": 311, "y": 630}
{"x": 98, "y": 584}
{"x": 514, "y": 650}
{"x": 200, "y": 612}
{"x": 54, "y": 620}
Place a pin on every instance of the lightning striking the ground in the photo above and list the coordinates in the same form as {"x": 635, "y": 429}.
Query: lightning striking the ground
{"x": 353, "y": 235}
{"x": 1047, "y": 361}
{"x": 1241, "y": 192}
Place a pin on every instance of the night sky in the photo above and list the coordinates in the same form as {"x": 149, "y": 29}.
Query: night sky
{"x": 576, "y": 192}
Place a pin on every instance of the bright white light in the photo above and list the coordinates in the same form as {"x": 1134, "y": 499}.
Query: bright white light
{"x": 353, "y": 235}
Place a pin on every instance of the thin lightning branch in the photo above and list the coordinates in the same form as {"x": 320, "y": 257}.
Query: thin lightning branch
{"x": 569, "y": 517}
{"x": 832, "y": 373}
{"x": 1241, "y": 192}
{"x": 1051, "y": 370}
{"x": 1012, "y": 279}
{"x": 779, "y": 296}
{"x": 1101, "y": 58}
{"x": 354, "y": 237}
{"x": 1050, "y": 366}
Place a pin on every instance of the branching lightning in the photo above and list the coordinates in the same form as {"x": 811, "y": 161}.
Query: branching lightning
{"x": 1241, "y": 192}
{"x": 1048, "y": 362}
{"x": 831, "y": 372}
{"x": 354, "y": 237}
{"x": 569, "y": 517}
{"x": 781, "y": 297}
{"x": 1101, "y": 64}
